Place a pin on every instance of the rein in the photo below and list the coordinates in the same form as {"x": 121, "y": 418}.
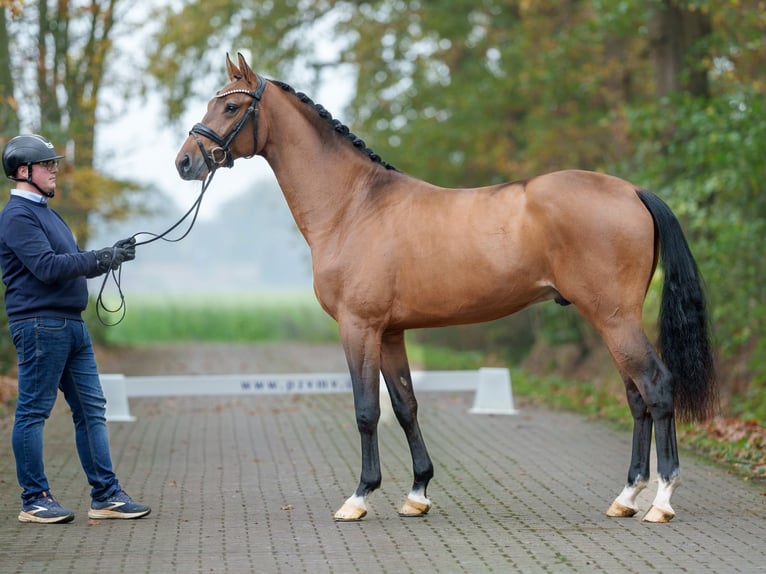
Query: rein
{"x": 116, "y": 274}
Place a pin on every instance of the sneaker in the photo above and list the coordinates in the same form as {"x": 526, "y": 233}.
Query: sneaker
{"x": 45, "y": 510}
{"x": 119, "y": 505}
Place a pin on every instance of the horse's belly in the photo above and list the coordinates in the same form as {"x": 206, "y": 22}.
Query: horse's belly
{"x": 442, "y": 304}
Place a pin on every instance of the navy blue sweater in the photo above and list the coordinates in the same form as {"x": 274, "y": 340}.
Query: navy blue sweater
{"x": 43, "y": 269}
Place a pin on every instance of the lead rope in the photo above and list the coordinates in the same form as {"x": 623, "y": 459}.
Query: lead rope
{"x": 116, "y": 274}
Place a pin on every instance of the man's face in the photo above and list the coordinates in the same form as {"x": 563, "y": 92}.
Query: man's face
{"x": 43, "y": 174}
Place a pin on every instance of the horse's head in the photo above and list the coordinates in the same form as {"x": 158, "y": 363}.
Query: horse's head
{"x": 219, "y": 138}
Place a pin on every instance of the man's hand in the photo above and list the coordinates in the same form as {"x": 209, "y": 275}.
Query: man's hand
{"x": 110, "y": 258}
{"x": 129, "y": 246}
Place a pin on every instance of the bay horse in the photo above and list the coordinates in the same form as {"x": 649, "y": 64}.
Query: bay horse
{"x": 391, "y": 252}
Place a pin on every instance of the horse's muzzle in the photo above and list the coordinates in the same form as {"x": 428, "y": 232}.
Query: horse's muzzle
{"x": 188, "y": 168}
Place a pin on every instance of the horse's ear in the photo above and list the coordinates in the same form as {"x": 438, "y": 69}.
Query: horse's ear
{"x": 232, "y": 70}
{"x": 247, "y": 74}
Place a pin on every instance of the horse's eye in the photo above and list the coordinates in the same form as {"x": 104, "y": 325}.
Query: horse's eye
{"x": 231, "y": 107}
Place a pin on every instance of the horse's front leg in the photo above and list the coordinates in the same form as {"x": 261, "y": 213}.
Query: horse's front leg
{"x": 396, "y": 372}
{"x": 362, "y": 348}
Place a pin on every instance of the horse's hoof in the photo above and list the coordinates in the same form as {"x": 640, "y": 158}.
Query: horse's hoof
{"x": 350, "y": 513}
{"x": 618, "y": 510}
{"x": 658, "y": 515}
{"x": 413, "y": 507}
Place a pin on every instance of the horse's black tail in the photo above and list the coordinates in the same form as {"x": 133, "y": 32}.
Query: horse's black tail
{"x": 684, "y": 342}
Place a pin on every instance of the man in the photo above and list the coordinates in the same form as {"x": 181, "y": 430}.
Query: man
{"x": 45, "y": 274}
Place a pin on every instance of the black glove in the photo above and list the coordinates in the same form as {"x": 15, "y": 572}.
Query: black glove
{"x": 129, "y": 245}
{"x": 110, "y": 258}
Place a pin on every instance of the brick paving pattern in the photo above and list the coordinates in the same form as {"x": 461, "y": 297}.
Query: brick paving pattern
{"x": 250, "y": 484}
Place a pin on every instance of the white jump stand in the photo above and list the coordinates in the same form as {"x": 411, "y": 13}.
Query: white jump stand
{"x": 494, "y": 395}
{"x": 117, "y": 407}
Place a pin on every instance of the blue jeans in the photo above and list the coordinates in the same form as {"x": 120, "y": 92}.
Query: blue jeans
{"x": 58, "y": 354}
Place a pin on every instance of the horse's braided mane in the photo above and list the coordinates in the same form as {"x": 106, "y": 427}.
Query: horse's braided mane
{"x": 337, "y": 125}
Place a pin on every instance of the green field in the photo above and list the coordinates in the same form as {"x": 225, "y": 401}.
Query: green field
{"x": 256, "y": 317}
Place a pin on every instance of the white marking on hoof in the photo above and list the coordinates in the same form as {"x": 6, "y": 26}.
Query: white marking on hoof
{"x": 415, "y": 505}
{"x": 625, "y": 504}
{"x": 661, "y": 511}
{"x": 352, "y": 510}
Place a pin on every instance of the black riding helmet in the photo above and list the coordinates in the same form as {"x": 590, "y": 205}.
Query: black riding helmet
{"x": 27, "y": 150}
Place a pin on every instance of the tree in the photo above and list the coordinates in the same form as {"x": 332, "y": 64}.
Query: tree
{"x": 69, "y": 44}
{"x": 677, "y": 35}
{"x": 491, "y": 91}
{"x": 8, "y": 106}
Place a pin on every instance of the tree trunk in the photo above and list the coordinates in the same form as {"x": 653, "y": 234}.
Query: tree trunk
{"x": 675, "y": 34}
{"x": 9, "y": 119}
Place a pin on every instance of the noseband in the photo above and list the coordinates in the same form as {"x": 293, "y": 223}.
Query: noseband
{"x": 221, "y": 155}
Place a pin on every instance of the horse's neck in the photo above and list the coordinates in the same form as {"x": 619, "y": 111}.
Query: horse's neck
{"x": 319, "y": 179}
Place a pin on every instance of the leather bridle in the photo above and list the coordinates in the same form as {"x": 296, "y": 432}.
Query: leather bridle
{"x": 221, "y": 155}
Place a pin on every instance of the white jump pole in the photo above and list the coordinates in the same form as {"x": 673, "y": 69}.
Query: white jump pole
{"x": 492, "y": 387}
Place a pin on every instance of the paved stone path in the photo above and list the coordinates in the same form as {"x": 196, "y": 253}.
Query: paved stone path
{"x": 249, "y": 484}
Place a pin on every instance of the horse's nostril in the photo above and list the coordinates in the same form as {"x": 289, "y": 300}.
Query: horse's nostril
{"x": 185, "y": 164}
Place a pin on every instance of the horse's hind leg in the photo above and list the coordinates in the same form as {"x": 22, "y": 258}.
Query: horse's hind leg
{"x": 396, "y": 372}
{"x": 650, "y": 394}
{"x": 638, "y": 472}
